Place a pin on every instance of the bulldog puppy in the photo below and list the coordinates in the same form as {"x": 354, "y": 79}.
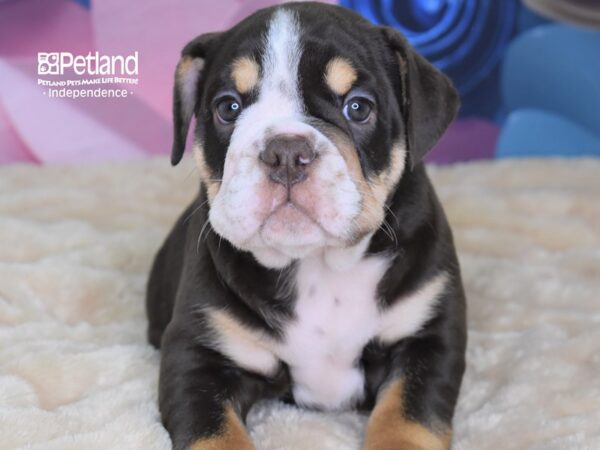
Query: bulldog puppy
{"x": 316, "y": 264}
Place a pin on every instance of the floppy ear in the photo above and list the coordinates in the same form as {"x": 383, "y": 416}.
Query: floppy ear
{"x": 429, "y": 100}
{"x": 185, "y": 92}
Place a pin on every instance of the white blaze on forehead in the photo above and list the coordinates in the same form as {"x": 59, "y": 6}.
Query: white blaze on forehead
{"x": 280, "y": 62}
{"x": 246, "y": 197}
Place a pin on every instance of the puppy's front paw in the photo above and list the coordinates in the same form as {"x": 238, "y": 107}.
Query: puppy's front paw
{"x": 390, "y": 429}
{"x": 399, "y": 445}
{"x": 233, "y": 436}
{"x": 403, "y": 435}
{"x": 221, "y": 444}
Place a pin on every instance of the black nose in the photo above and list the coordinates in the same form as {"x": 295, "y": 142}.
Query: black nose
{"x": 288, "y": 157}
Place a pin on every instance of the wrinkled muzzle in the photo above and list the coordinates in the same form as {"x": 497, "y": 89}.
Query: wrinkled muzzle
{"x": 286, "y": 191}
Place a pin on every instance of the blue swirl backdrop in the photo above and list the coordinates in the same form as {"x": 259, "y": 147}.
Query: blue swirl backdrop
{"x": 469, "y": 40}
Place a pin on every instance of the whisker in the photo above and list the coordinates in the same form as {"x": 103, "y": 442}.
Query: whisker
{"x": 195, "y": 210}
{"x": 278, "y": 278}
{"x": 208, "y": 231}
{"x": 200, "y": 236}
{"x": 384, "y": 227}
{"x": 393, "y": 214}
{"x": 392, "y": 232}
{"x": 194, "y": 169}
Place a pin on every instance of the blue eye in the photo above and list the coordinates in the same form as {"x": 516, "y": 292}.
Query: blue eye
{"x": 357, "y": 109}
{"x": 228, "y": 109}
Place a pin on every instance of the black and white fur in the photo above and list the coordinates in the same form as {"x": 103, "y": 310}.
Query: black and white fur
{"x": 324, "y": 291}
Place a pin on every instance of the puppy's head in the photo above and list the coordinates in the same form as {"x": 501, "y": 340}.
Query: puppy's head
{"x": 306, "y": 118}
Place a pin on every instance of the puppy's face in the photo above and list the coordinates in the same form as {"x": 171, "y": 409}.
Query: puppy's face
{"x": 304, "y": 126}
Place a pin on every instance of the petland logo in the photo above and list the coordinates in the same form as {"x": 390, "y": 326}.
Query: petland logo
{"x": 90, "y": 69}
{"x": 56, "y": 63}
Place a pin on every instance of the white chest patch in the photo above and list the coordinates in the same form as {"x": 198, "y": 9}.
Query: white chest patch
{"x": 336, "y": 315}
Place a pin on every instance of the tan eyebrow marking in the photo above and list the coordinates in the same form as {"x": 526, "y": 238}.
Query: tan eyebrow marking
{"x": 340, "y": 75}
{"x": 245, "y": 71}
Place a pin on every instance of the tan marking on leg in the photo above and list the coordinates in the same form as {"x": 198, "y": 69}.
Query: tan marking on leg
{"x": 212, "y": 185}
{"x": 232, "y": 436}
{"x": 244, "y": 73}
{"x": 389, "y": 429}
{"x": 249, "y": 348}
{"x": 340, "y": 75}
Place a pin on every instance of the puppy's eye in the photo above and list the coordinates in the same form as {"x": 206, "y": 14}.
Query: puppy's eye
{"x": 357, "y": 109}
{"x": 228, "y": 109}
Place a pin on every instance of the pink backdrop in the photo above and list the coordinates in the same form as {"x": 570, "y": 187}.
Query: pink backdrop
{"x": 35, "y": 128}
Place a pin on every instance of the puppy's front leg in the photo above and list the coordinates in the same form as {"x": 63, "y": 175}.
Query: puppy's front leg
{"x": 202, "y": 397}
{"x": 414, "y": 408}
{"x": 390, "y": 427}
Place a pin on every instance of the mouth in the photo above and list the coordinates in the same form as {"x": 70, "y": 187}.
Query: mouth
{"x": 290, "y": 226}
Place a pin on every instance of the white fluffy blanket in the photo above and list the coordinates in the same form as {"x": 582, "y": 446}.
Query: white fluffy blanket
{"x": 76, "y": 372}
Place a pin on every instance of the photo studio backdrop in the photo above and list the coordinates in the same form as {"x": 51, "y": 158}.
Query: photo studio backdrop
{"x": 528, "y": 72}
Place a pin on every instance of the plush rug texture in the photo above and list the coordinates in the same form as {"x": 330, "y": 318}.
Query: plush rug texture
{"x": 76, "y": 245}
